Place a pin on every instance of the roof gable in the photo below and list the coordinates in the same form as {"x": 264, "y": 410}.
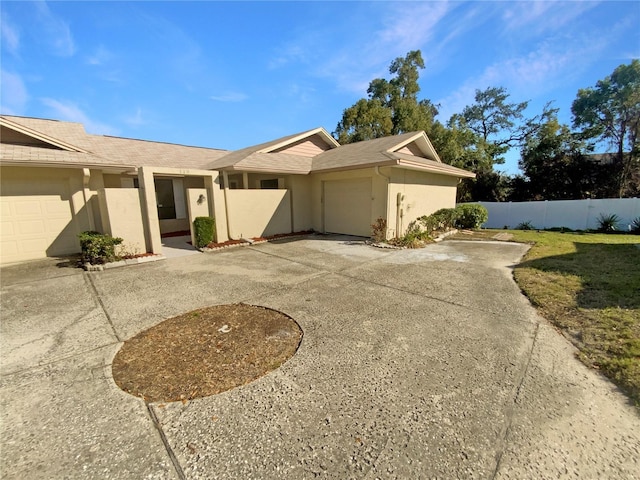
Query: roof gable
{"x": 318, "y": 136}
{"x": 19, "y": 133}
{"x": 417, "y": 144}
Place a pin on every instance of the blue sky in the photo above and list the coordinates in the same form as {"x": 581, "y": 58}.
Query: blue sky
{"x": 233, "y": 74}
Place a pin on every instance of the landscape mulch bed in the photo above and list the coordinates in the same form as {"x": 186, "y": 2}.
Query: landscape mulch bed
{"x": 204, "y": 352}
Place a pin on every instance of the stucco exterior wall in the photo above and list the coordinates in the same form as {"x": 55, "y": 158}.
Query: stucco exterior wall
{"x": 256, "y": 213}
{"x": 121, "y": 213}
{"x": 378, "y": 193}
{"x": 300, "y": 188}
{"x": 421, "y": 193}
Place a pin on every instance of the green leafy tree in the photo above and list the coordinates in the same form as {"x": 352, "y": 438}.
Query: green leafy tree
{"x": 556, "y": 166}
{"x": 392, "y": 106}
{"x": 610, "y": 112}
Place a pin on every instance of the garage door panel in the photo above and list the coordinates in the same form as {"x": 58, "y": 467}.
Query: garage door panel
{"x": 37, "y": 220}
{"x": 348, "y": 206}
{"x": 31, "y": 227}
{"x": 27, "y": 208}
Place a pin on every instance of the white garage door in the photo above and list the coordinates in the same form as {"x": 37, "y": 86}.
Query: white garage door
{"x": 36, "y": 222}
{"x": 347, "y": 206}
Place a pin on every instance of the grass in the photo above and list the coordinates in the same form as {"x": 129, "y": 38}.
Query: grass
{"x": 588, "y": 286}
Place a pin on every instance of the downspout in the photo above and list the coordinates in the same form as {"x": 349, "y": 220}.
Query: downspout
{"x": 388, "y": 179}
{"x": 86, "y": 193}
{"x": 225, "y": 177}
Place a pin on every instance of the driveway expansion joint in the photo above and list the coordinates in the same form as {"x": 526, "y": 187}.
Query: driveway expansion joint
{"x": 98, "y": 298}
{"x": 165, "y": 442}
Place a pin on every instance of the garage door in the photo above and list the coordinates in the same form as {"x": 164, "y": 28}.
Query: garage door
{"x": 36, "y": 222}
{"x": 347, "y": 206}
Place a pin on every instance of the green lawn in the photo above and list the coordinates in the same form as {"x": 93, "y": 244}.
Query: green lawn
{"x": 588, "y": 285}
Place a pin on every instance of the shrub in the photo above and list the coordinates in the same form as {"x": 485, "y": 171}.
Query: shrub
{"x": 98, "y": 248}
{"x": 525, "y": 226}
{"x": 440, "y": 220}
{"x": 379, "y": 230}
{"x": 635, "y": 225}
{"x": 470, "y": 215}
{"x": 608, "y": 223}
{"x": 204, "y": 231}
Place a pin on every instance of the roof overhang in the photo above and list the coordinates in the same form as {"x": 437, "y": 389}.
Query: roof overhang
{"x": 439, "y": 169}
{"x": 113, "y": 169}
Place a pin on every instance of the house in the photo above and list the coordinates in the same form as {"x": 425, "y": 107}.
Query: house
{"x": 57, "y": 181}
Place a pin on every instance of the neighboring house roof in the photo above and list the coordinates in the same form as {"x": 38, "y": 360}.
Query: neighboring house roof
{"x": 40, "y": 142}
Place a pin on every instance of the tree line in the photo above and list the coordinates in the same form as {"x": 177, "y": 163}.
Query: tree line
{"x": 558, "y": 161}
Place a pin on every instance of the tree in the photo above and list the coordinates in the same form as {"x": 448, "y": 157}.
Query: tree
{"x": 392, "y": 106}
{"x": 556, "y": 166}
{"x": 610, "y": 112}
{"x": 498, "y": 124}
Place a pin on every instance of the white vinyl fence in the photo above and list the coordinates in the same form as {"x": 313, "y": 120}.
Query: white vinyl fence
{"x": 573, "y": 214}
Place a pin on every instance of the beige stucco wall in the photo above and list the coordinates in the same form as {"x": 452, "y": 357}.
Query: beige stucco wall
{"x": 422, "y": 194}
{"x": 122, "y": 217}
{"x": 300, "y": 188}
{"x": 378, "y": 193}
{"x": 256, "y": 213}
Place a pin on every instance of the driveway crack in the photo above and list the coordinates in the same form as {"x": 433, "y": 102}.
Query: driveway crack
{"x": 510, "y": 408}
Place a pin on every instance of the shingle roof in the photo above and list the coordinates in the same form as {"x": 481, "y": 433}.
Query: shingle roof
{"x": 76, "y": 147}
{"x": 380, "y": 152}
{"x": 106, "y": 150}
{"x": 254, "y": 157}
{"x": 43, "y": 156}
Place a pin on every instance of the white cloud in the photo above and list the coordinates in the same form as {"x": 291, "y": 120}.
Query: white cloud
{"x": 55, "y": 31}
{"x": 100, "y": 56}
{"x": 13, "y": 94}
{"x": 10, "y": 36}
{"x": 70, "y": 112}
{"x": 230, "y": 97}
{"x": 136, "y": 119}
{"x": 536, "y": 17}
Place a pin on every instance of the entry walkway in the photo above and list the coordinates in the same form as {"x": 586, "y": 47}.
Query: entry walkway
{"x": 173, "y": 247}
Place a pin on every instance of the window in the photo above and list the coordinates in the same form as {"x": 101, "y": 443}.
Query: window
{"x": 271, "y": 183}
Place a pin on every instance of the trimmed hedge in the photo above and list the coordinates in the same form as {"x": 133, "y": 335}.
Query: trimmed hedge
{"x": 204, "y": 230}
{"x": 471, "y": 215}
{"x": 98, "y": 248}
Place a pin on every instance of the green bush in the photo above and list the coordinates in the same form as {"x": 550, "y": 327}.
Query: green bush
{"x": 525, "y": 226}
{"x": 98, "y": 248}
{"x": 204, "y": 230}
{"x": 635, "y": 225}
{"x": 608, "y": 223}
{"x": 471, "y": 215}
{"x": 440, "y": 220}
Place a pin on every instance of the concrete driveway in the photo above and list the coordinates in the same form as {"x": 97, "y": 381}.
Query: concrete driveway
{"x": 414, "y": 364}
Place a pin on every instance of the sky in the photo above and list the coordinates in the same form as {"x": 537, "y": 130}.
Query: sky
{"x": 233, "y": 74}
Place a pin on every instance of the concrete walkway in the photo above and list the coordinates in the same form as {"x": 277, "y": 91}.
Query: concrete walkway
{"x": 414, "y": 364}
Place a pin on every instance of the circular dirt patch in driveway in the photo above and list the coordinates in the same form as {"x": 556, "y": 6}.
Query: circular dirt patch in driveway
{"x": 205, "y": 352}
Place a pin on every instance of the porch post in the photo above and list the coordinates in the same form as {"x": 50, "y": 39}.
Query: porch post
{"x": 217, "y": 205}
{"x": 149, "y": 210}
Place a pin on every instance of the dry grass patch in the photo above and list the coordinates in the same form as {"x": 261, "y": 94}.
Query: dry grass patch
{"x": 205, "y": 352}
